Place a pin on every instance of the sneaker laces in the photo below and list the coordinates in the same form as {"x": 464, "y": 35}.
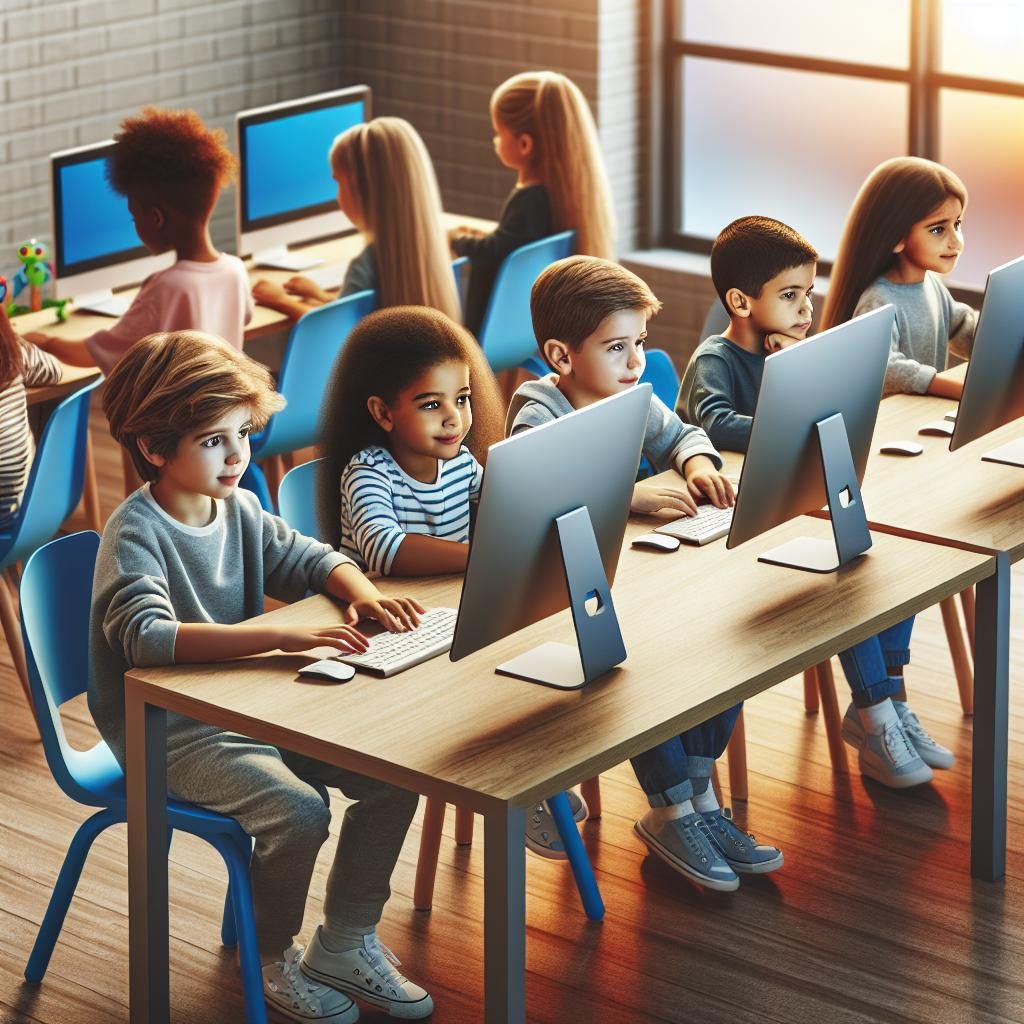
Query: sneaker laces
{"x": 383, "y": 962}
{"x": 913, "y": 727}
{"x": 896, "y": 744}
{"x": 299, "y": 987}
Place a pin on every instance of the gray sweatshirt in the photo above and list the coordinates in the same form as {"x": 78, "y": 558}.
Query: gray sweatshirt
{"x": 153, "y": 572}
{"x": 668, "y": 442}
{"x": 929, "y": 323}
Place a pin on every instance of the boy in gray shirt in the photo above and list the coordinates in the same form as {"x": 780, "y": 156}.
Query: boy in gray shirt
{"x": 183, "y": 562}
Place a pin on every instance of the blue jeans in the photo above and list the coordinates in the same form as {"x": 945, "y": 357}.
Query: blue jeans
{"x": 867, "y": 664}
{"x": 674, "y": 770}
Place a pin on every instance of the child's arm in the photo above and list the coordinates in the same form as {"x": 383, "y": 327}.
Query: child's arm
{"x": 71, "y": 352}
{"x": 525, "y": 218}
{"x": 273, "y": 296}
{"x": 712, "y": 405}
{"x": 38, "y": 367}
{"x": 304, "y": 288}
{"x": 963, "y": 321}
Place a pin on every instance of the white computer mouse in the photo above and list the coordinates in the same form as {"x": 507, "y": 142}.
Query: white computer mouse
{"x": 329, "y": 669}
{"x": 937, "y": 428}
{"x": 901, "y": 448}
{"x": 656, "y": 541}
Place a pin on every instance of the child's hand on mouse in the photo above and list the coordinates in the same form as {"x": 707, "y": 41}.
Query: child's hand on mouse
{"x": 651, "y": 498}
{"x": 777, "y": 342}
{"x": 346, "y": 639}
{"x": 704, "y": 481}
{"x": 396, "y": 614}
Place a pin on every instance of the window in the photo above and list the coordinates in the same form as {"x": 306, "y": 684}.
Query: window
{"x": 784, "y": 108}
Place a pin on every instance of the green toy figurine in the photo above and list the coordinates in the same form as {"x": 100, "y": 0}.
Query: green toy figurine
{"x": 35, "y": 271}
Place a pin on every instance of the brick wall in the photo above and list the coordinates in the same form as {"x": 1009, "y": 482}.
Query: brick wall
{"x": 71, "y": 69}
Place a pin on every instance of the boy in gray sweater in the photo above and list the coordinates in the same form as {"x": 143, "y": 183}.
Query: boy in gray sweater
{"x": 590, "y": 318}
{"x": 183, "y": 562}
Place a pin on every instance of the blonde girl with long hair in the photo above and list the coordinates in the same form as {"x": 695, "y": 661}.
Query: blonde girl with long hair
{"x": 544, "y": 131}
{"x": 903, "y": 233}
{"x": 388, "y": 189}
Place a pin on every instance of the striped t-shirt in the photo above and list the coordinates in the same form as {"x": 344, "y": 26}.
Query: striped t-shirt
{"x": 16, "y": 445}
{"x": 381, "y": 503}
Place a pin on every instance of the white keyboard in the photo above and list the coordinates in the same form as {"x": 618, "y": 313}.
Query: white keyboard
{"x": 394, "y": 652}
{"x": 329, "y": 277}
{"x": 707, "y": 525}
{"x": 112, "y": 305}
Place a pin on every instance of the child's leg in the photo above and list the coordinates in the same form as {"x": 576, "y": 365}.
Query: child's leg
{"x": 705, "y": 744}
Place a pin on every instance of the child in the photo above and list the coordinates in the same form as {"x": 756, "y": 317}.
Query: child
{"x": 172, "y": 169}
{"x": 183, "y": 562}
{"x": 387, "y": 188}
{"x": 21, "y": 365}
{"x": 544, "y": 131}
{"x": 904, "y": 230}
{"x": 590, "y": 318}
{"x": 763, "y": 272}
{"x": 411, "y": 407}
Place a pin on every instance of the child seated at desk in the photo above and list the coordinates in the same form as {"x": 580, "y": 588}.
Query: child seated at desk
{"x": 590, "y": 318}
{"x": 172, "y": 168}
{"x": 763, "y": 272}
{"x": 183, "y": 562}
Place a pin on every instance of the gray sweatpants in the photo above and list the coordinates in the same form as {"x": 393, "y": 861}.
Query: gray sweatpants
{"x": 268, "y": 792}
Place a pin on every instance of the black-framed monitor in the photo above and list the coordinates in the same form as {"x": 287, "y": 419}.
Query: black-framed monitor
{"x": 96, "y": 249}
{"x": 286, "y": 194}
{"x": 994, "y": 386}
{"x": 810, "y": 441}
{"x": 552, "y": 515}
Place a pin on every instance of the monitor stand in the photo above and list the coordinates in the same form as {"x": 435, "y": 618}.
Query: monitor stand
{"x": 1011, "y": 454}
{"x": 282, "y": 258}
{"x": 845, "y": 505}
{"x": 599, "y": 645}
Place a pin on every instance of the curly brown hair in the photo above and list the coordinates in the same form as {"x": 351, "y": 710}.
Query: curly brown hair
{"x": 172, "y": 157}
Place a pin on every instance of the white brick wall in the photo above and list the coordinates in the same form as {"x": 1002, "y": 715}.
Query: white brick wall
{"x": 71, "y": 69}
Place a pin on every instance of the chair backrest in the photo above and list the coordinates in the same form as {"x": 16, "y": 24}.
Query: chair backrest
{"x": 661, "y": 374}
{"x": 55, "y": 481}
{"x": 296, "y": 498}
{"x": 56, "y": 596}
{"x": 507, "y": 331}
{"x": 313, "y": 346}
{"x": 715, "y": 322}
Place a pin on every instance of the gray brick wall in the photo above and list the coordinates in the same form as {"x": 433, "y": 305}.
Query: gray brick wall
{"x": 71, "y": 69}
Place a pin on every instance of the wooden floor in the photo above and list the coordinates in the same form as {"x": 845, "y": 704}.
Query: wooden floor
{"x": 873, "y": 918}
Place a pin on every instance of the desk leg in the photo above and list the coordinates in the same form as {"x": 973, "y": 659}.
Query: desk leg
{"x": 991, "y": 700}
{"x": 146, "y": 752}
{"x": 505, "y": 917}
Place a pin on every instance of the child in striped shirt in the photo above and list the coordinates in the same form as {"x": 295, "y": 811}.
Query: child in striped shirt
{"x": 411, "y": 408}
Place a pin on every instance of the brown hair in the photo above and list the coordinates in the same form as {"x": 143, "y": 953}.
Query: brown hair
{"x": 174, "y": 383}
{"x": 567, "y": 159}
{"x": 572, "y": 297}
{"x": 11, "y": 355}
{"x": 752, "y": 250}
{"x": 172, "y": 158}
{"x": 388, "y": 351}
{"x": 896, "y": 195}
{"x": 388, "y": 168}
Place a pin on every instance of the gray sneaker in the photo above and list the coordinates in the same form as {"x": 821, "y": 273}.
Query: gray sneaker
{"x": 933, "y": 753}
{"x": 685, "y": 844}
{"x": 889, "y": 758}
{"x": 745, "y": 855}
{"x": 542, "y": 836}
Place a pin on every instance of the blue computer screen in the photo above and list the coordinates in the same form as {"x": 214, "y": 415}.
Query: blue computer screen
{"x": 285, "y": 165}
{"x": 92, "y": 220}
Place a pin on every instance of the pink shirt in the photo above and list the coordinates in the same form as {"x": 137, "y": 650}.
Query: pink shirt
{"x": 212, "y": 297}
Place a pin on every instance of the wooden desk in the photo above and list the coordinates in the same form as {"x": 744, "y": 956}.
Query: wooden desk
{"x": 705, "y": 627}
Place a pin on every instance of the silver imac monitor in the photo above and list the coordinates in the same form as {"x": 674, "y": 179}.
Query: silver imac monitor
{"x": 96, "y": 249}
{"x": 548, "y": 532}
{"x": 994, "y": 387}
{"x": 810, "y": 441}
{"x": 286, "y": 194}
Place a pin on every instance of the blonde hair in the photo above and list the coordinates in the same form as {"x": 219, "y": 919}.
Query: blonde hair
{"x": 173, "y": 383}
{"x": 896, "y": 195}
{"x": 567, "y": 159}
{"x": 387, "y": 167}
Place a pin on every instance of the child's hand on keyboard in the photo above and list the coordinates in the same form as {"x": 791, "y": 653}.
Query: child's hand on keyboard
{"x": 704, "y": 481}
{"x": 304, "y": 288}
{"x": 346, "y": 639}
{"x": 651, "y": 498}
{"x": 396, "y": 614}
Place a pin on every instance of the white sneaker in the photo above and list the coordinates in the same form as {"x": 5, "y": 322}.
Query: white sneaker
{"x": 369, "y": 973}
{"x": 933, "y": 753}
{"x": 887, "y": 757}
{"x": 294, "y": 996}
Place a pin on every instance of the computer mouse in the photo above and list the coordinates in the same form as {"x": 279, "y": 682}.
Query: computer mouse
{"x": 937, "y": 428}
{"x": 329, "y": 669}
{"x": 901, "y": 448}
{"x": 656, "y": 541}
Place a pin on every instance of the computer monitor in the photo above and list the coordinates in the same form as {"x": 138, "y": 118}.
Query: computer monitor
{"x": 286, "y": 193}
{"x": 96, "y": 248}
{"x": 994, "y": 386}
{"x": 548, "y": 532}
{"x": 810, "y": 441}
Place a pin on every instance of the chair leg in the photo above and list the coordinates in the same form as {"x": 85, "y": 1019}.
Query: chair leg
{"x": 833, "y": 721}
{"x": 12, "y": 631}
{"x": 90, "y": 489}
{"x": 811, "y": 691}
{"x": 464, "y": 821}
{"x": 958, "y": 652}
{"x": 591, "y": 790}
{"x": 737, "y": 750}
{"x": 430, "y": 848}
{"x": 64, "y": 890}
{"x": 582, "y": 869}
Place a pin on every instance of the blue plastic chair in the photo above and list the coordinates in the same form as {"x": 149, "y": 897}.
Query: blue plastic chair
{"x": 506, "y": 334}
{"x": 312, "y": 348}
{"x": 56, "y": 593}
{"x": 297, "y": 500}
